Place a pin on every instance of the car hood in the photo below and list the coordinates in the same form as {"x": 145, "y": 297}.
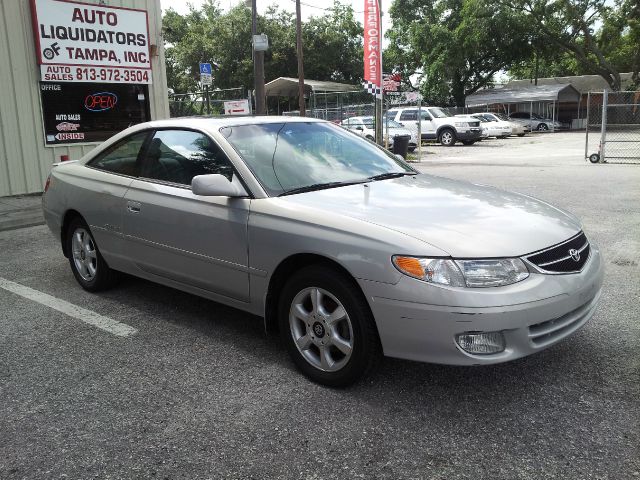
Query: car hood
{"x": 463, "y": 219}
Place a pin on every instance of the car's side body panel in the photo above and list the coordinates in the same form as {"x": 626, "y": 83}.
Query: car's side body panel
{"x": 200, "y": 241}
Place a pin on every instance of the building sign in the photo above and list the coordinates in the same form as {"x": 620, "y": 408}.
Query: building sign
{"x": 391, "y": 82}
{"x": 79, "y": 42}
{"x": 90, "y": 112}
{"x": 372, "y": 48}
{"x": 237, "y": 107}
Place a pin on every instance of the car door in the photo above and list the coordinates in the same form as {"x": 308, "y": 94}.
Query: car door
{"x": 428, "y": 126}
{"x": 101, "y": 198}
{"x": 171, "y": 233}
{"x": 409, "y": 120}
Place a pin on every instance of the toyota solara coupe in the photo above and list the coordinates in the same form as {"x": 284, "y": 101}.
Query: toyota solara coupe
{"x": 342, "y": 247}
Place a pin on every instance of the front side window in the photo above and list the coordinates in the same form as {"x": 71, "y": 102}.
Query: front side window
{"x": 122, "y": 158}
{"x": 176, "y": 156}
{"x": 288, "y": 156}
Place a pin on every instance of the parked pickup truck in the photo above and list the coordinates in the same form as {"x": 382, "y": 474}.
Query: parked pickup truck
{"x": 437, "y": 124}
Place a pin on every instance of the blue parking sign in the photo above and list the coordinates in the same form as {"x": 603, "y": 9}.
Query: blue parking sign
{"x": 205, "y": 68}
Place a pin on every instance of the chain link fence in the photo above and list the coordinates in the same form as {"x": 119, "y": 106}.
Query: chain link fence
{"x": 336, "y": 106}
{"x": 613, "y": 127}
{"x": 203, "y": 103}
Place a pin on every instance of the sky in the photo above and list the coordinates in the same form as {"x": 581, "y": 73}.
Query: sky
{"x": 308, "y": 7}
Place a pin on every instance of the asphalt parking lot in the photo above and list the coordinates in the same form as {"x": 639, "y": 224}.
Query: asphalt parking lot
{"x": 197, "y": 390}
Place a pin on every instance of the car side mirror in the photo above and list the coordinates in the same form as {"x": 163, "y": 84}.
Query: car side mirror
{"x": 359, "y": 127}
{"x": 216, "y": 185}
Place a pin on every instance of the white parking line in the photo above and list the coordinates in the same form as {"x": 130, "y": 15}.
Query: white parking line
{"x": 87, "y": 316}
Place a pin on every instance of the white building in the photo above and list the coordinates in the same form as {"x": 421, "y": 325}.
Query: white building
{"x": 72, "y": 75}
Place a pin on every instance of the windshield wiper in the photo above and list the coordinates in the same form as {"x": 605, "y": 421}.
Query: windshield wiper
{"x": 384, "y": 176}
{"x": 319, "y": 186}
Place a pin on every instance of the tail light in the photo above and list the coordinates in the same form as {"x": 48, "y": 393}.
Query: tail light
{"x": 47, "y": 184}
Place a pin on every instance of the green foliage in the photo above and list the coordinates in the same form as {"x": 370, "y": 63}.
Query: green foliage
{"x": 332, "y": 46}
{"x": 458, "y": 45}
{"x": 571, "y": 26}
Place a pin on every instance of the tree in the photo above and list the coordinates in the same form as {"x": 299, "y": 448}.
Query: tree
{"x": 459, "y": 45}
{"x": 570, "y": 25}
{"x": 332, "y": 45}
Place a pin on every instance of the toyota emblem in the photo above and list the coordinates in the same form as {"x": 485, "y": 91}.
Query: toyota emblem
{"x": 575, "y": 254}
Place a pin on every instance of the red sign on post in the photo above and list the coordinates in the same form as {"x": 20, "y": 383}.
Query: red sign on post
{"x": 372, "y": 48}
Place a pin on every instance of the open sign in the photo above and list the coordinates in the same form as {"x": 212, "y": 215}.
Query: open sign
{"x": 99, "y": 102}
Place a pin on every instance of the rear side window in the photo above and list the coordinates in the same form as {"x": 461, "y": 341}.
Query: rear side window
{"x": 122, "y": 158}
{"x": 176, "y": 156}
{"x": 408, "y": 115}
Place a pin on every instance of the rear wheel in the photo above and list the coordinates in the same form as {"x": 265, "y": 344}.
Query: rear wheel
{"x": 327, "y": 327}
{"x": 543, "y": 127}
{"x": 468, "y": 142}
{"x": 447, "y": 137}
{"x": 521, "y": 134}
{"x": 88, "y": 266}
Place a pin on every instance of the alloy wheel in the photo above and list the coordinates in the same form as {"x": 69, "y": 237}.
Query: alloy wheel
{"x": 85, "y": 257}
{"x": 321, "y": 329}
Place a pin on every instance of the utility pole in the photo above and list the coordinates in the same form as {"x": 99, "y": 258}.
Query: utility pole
{"x": 301, "y": 102}
{"x": 258, "y": 63}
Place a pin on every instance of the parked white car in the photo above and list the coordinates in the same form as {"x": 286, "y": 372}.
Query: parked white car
{"x": 493, "y": 126}
{"x": 365, "y": 127}
{"x": 535, "y": 121}
{"x": 516, "y": 128}
{"x": 438, "y": 124}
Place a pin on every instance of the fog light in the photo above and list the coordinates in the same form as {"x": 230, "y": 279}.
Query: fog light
{"x": 481, "y": 343}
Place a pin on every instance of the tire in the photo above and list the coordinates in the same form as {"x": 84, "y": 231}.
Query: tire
{"x": 543, "y": 127}
{"x": 521, "y": 134}
{"x": 447, "y": 137}
{"x": 503, "y": 137}
{"x": 594, "y": 157}
{"x": 307, "y": 332}
{"x": 91, "y": 271}
{"x": 468, "y": 142}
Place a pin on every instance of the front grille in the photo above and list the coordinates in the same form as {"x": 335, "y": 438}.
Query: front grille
{"x": 546, "y": 333}
{"x": 557, "y": 259}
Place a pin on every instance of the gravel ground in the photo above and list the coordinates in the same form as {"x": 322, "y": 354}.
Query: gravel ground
{"x": 201, "y": 392}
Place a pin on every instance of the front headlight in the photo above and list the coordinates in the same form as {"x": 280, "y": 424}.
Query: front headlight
{"x": 463, "y": 273}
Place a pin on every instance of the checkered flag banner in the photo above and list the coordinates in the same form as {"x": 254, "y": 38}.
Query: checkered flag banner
{"x": 372, "y": 88}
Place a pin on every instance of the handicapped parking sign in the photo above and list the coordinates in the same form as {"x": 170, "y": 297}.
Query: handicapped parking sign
{"x": 205, "y": 68}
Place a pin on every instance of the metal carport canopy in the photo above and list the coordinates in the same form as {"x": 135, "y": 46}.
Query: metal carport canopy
{"x": 288, "y": 87}
{"x": 534, "y": 93}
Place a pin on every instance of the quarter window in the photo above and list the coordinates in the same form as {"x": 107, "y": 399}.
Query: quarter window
{"x": 176, "y": 156}
{"x": 122, "y": 158}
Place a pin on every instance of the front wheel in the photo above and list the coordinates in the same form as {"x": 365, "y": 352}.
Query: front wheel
{"x": 327, "y": 327}
{"x": 88, "y": 266}
{"x": 447, "y": 137}
{"x": 468, "y": 142}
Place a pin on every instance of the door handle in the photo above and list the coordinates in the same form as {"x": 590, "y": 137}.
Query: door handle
{"x": 133, "y": 207}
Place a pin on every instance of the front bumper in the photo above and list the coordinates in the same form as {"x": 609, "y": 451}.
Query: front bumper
{"x": 469, "y": 134}
{"x": 419, "y": 321}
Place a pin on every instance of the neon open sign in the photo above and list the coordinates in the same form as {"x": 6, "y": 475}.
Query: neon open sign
{"x": 99, "y": 102}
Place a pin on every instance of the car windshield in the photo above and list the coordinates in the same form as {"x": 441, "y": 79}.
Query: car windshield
{"x": 502, "y": 116}
{"x": 438, "y": 112}
{"x": 292, "y": 156}
{"x": 535, "y": 116}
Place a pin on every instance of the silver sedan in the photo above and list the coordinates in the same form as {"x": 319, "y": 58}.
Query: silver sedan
{"x": 345, "y": 249}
